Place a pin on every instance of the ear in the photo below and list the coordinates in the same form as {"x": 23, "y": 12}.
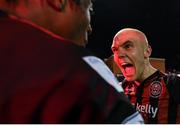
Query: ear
{"x": 147, "y": 51}
{"x": 58, "y": 5}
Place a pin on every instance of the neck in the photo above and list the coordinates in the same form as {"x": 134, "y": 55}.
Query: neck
{"x": 149, "y": 70}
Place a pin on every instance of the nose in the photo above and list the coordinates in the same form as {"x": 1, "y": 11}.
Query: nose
{"x": 121, "y": 53}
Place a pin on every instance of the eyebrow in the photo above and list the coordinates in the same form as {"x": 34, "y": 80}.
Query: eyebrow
{"x": 126, "y": 42}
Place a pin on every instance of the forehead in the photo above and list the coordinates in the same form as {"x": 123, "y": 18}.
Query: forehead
{"x": 122, "y": 37}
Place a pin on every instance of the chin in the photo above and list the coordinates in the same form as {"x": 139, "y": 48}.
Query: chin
{"x": 83, "y": 44}
{"x": 83, "y": 41}
{"x": 130, "y": 79}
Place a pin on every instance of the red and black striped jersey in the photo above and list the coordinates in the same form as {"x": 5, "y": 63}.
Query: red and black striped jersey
{"x": 157, "y": 100}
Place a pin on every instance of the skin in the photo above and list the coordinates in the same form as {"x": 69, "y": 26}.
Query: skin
{"x": 131, "y": 54}
{"x": 64, "y": 18}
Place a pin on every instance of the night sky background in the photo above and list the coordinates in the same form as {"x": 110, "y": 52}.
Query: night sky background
{"x": 158, "y": 19}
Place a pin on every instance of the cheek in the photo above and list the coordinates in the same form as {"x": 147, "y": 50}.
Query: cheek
{"x": 139, "y": 62}
{"x": 85, "y": 20}
{"x": 115, "y": 58}
{"x": 137, "y": 55}
{"x": 86, "y": 15}
{"x": 82, "y": 24}
{"x": 88, "y": 18}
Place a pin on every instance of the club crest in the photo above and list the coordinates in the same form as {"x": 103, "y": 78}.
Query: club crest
{"x": 155, "y": 89}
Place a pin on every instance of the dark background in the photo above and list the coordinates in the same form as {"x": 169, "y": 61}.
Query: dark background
{"x": 158, "y": 19}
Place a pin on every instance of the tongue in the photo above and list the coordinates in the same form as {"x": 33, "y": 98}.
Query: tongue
{"x": 129, "y": 70}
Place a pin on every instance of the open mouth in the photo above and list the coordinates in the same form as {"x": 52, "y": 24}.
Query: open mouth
{"x": 128, "y": 68}
{"x": 126, "y": 65}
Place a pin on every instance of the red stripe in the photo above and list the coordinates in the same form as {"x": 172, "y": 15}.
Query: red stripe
{"x": 163, "y": 105}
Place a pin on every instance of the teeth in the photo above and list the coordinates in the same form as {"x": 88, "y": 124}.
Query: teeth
{"x": 123, "y": 64}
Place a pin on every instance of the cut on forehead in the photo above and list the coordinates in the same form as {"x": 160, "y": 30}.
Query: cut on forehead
{"x": 131, "y": 32}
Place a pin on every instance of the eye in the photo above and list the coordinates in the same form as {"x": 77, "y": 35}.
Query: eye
{"x": 128, "y": 46}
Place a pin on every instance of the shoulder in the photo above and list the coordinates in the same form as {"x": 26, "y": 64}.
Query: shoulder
{"x": 101, "y": 69}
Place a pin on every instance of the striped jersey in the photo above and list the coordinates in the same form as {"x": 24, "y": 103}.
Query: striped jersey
{"x": 157, "y": 98}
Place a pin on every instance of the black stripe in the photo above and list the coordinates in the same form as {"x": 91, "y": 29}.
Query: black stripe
{"x": 172, "y": 107}
{"x": 154, "y": 103}
{"x": 139, "y": 93}
{"x": 172, "y": 111}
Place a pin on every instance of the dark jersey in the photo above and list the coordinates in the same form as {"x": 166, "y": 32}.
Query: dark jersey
{"x": 157, "y": 100}
{"x": 45, "y": 79}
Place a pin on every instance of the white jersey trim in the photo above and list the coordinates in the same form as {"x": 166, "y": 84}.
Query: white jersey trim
{"x": 101, "y": 68}
{"x": 135, "y": 118}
